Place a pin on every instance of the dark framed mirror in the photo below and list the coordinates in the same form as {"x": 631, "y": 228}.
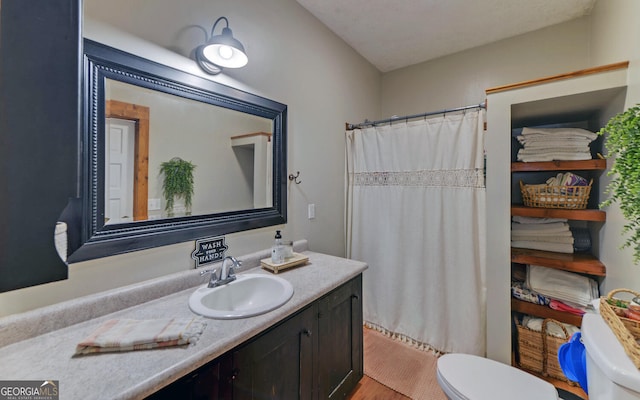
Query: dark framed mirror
{"x": 139, "y": 116}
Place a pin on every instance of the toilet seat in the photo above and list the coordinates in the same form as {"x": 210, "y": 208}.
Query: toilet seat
{"x": 469, "y": 377}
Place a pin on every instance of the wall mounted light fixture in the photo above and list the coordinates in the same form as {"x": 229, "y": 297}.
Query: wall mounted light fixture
{"x": 221, "y": 51}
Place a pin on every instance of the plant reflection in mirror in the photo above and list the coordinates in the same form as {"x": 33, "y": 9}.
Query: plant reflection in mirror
{"x": 178, "y": 183}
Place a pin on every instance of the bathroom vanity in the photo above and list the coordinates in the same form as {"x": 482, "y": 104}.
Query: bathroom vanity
{"x": 314, "y": 354}
{"x": 310, "y": 348}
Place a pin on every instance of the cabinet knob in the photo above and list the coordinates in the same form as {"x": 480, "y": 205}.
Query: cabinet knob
{"x": 234, "y": 374}
{"x": 306, "y": 332}
{"x": 355, "y": 297}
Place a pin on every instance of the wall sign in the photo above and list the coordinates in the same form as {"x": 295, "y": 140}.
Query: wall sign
{"x": 209, "y": 250}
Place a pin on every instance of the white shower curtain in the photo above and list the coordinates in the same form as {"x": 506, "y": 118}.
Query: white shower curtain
{"x": 416, "y": 215}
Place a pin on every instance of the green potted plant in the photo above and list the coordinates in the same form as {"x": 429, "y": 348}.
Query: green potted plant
{"x": 178, "y": 182}
{"x": 623, "y": 143}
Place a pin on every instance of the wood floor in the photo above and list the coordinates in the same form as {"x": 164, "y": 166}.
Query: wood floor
{"x": 370, "y": 389}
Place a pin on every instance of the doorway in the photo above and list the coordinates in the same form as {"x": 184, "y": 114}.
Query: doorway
{"x": 139, "y": 116}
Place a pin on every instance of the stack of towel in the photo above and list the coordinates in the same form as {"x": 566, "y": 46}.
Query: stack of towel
{"x": 549, "y": 144}
{"x": 549, "y": 234}
{"x": 572, "y": 289}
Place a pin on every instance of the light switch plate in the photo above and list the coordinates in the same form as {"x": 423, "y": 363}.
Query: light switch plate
{"x": 312, "y": 211}
{"x": 153, "y": 204}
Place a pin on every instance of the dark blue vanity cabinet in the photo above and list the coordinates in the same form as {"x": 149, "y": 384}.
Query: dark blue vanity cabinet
{"x": 315, "y": 353}
{"x": 40, "y": 58}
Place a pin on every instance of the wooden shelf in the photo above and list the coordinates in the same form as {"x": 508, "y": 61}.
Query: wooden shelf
{"x": 576, "y": 262}
{"x": 577, "y": 215}
{"x": 582, "y": 165}
{"x": 545, "y": 312}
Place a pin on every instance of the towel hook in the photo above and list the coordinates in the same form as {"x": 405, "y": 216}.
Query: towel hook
{"x": 294, "y": 178}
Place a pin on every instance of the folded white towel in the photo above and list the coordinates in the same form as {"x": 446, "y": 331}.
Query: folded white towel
{"x": 523, "y": 234}
{"x": 551, "y": 227}
{"x": 562, "y": 285}
{"x": 575, "y": 132}
{"x": 555, "y": 156}
{"x": 535, "y": 220}
{"x": 548, "y": 144}
{"x": 543, "y": 238}
{"x": 545, "y": 246}
{"x": 542, "y": 139}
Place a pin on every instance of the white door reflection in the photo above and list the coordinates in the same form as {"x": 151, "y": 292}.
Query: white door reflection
{"x": 120, "y": 149}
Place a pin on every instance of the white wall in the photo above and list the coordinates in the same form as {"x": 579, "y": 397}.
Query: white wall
{"x": 616, "y": 37}
{"x": 461, "y": 79}
{"x": 293, "y": 59}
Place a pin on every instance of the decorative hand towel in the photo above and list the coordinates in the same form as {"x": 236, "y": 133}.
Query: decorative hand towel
{"x": 522, "y": 293}
{"x": 129, "y": 334}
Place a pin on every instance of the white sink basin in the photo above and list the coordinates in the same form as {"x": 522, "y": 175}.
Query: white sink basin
{"x": 247, "y": 296}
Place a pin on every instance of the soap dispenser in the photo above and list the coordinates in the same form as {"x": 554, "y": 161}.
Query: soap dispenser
{"x": 277, "y": 251}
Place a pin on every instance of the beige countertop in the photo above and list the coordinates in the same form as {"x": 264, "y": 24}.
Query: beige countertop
{"x": 37, "y": 348}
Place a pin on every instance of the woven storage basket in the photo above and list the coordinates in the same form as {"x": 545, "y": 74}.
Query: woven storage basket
{"x": 546, "y": 196}
{"x": 626, "y": 330}
{"x": 539, "y": 350}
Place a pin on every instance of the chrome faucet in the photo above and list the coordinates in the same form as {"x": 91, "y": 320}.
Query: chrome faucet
{"x": 227, "y": 274}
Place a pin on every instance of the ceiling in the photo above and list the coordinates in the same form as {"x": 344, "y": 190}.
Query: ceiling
{"x": 392, "y": 34}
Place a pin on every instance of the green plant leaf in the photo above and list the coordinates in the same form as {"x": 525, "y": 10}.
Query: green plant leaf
{"x": 177, "y": 183}
{"x": 623, "y": 146}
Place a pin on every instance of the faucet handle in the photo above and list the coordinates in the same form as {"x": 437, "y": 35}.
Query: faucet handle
{"x": 208, "y": 271}
{"x": 214, "y": 276}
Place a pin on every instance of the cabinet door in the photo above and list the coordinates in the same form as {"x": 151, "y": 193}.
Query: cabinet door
{"x": 209, "y": 382}
{"x": 278, "y": 364}
{"x": 40, "y": 58}
{"x": 340, "y": 340}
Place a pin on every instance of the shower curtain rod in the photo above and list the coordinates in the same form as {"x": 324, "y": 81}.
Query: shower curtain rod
{"x": 407, "y": 117}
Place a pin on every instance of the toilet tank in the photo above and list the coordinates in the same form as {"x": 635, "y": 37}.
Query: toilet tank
{"x": 610, "y": 373}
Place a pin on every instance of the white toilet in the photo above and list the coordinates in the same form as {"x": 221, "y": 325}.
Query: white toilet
{"x": 610, "y": 373}
{"x": 469, "y": 377}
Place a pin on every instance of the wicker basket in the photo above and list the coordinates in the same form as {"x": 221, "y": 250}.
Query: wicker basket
{"x": 539, "y": 350}
{"x": 546, "y": 196}
{"x": 626, "y": 330}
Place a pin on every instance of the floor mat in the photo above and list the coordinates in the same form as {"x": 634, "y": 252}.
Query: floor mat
{"x": 401, "y": 367}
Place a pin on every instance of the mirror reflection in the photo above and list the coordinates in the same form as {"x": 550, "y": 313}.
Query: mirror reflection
{"x": 145, "y": 125}
{"x": 231, "y": 153}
